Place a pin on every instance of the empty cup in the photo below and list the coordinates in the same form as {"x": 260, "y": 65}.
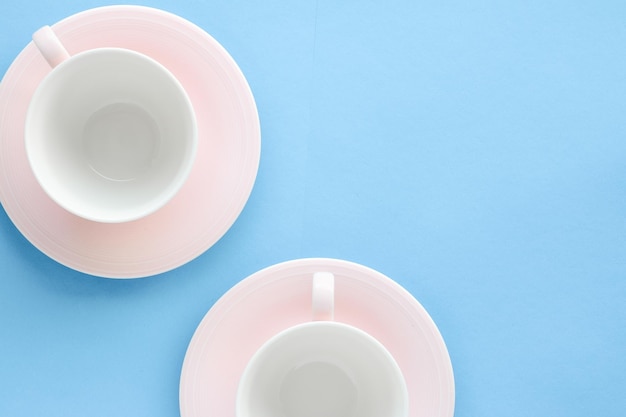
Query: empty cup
{"x": 110, "y": 133}
{"x": 322, "y": 368}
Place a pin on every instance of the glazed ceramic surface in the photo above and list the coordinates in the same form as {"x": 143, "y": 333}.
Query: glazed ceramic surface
{"x": 279, "y": 297}
{"x": 219, "y": 183}
{"x": 110, "y": 133}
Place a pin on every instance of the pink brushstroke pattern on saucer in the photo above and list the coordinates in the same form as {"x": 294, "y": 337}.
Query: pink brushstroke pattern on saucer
{"x": 218, "y": 186}
{"x": 279, "y": 297}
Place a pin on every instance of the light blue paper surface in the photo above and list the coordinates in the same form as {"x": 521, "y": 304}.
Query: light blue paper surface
{"x": 475, "y": 152}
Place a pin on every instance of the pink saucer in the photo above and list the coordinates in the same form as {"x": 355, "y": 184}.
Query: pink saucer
{"x": 219, "y": 184}
{"x": 278, "y": 297}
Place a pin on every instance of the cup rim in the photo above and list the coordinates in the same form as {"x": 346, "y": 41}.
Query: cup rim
{"x": 165, "y": 195}
{"x": 267, "y": 345}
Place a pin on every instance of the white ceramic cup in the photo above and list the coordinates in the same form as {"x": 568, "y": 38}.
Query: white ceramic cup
{"x": 110, "y": 133}
{"x": 322, "y": 368}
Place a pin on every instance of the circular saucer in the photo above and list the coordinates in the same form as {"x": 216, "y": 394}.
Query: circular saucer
{"x": 218, "y": 186}
{"x": 279, "y": 297}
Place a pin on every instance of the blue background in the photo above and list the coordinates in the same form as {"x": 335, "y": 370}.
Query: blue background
{"x": 475, "y": 152}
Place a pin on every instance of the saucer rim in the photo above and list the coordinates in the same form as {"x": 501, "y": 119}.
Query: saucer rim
{"x": 18, "y": 203}
{"x": 386, "y": 289}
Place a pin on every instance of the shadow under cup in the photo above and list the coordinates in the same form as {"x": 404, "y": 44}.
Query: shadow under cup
{"x": 322, "y": 369}
{"x": 110, "y": 135}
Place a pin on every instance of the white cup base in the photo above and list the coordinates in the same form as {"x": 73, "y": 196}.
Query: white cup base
{"x": 121, "y": 141}
{"x": 318, "y": 388}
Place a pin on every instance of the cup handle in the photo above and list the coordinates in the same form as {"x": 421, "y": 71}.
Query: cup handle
{"x": 323, "y": 296}
{"x": 50, "y": 46}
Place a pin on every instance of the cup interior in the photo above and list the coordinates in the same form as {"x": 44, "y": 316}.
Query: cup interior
{"x": 322, "y": 369}
{"x": 110, "y": 135}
